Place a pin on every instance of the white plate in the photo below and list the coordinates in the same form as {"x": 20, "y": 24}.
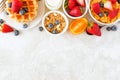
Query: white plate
{"x": 34, "y": 23}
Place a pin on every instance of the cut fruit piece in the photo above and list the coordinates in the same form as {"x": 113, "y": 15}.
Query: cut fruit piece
{"x": 108, "y": 5}
{"x": 71, "y": 4}
{"x": 113, "y": 14}
{"x": 96, "y": 7}
{"x": 81, "y": 2}
{"x": 6, "y": 28}
{"x": 78, "y": 26}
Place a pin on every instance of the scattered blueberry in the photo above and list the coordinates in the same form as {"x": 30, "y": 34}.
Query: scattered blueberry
{"x": 50, "y": 25}
{"x": 6, "y": 13}
{"x": 1, "y": 21}
{"x": 108, "y": 28}
{"x": 101, "y": 14}
{"x": 55, "y": 32}
{"x": 22, "y": 12}
{"x": 57, "y": 22}
{"x": 106, "y": 13}
{"x": 101, "y": 4}
{"x": 9, "y": 5}
{"x": 114, "y": 28}
{"x": 118, "y": 1}
{"x": 25, "y": 25}
{"x": 40, "y": 28}
{"x": 16, "y": 32}
{"x": 26, "y": 9}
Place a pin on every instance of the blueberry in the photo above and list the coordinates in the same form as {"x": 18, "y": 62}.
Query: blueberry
{"x": 50, "y": 25}
{"x": 114, "y": 28}
{"x": 6, "y": 13}
{"x": 9, "y": 5}
{"x": 108, "y": 28}
{"x": 25, "y": 25}
{"x": 118, "y": 1}
{"x": 101, "y": 4}
{"x": 40, "y": 28}
{"x": 22, "y": 12}
{"x": 57, "y": 22}
{"x": 1, "y": 21}
{"x": 106, "y": 13}
{"x": 100, "y": 14}
{"x": 26, "y": 9}
{"x": 55, "y": 32}
{"x": 16, "y": 32}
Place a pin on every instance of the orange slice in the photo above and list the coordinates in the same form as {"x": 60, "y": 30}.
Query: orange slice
{"x": 78, "y": 26}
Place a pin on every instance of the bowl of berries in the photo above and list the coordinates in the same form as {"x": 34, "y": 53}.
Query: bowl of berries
{"x": 75, "y": 9}
{"x": 105, "y": 12}
{"x": 55, "y": 23}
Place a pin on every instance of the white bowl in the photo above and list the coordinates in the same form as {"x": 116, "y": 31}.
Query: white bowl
{"x": 53, "y": 6}
{"x": 101, "y": 23}
{"x": 65, "y": 28}
{"x": 87, "y": 6}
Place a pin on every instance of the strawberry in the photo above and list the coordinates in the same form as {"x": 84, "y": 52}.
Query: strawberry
{"x": 113, "y": 13}
{"x": 113, "y": 1}
{"x": 71, "y": 4}
{"x": 93, "y": 28}
{"x": 16, "y": 6}
{"x": 108, "y": 5}
{"x": 81, "y": 2}
{"x": 6, "y": 28}
{"x": 76, "y": 11}
{"x": 96, "y": 7}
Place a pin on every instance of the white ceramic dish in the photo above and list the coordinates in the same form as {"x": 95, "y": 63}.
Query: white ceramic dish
{"x": 87, "y": 5}
{"x": 66, "y": 20}
{"x": 34, "y": 23}
{"x": 101, "y": 23}
{"x": 53, "y": 4}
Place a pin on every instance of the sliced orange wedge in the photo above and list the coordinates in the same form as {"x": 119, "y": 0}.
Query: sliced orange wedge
{"x": 78, "y": 26}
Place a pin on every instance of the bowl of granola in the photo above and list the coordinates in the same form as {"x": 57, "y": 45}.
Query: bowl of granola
{"x": 105, "y": 12}
{"x": 55, "y": 23}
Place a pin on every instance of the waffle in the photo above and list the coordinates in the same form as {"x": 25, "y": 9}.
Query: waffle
{"x": 32, "y": 6}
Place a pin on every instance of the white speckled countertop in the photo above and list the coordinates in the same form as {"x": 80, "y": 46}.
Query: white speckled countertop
{"x": 34, "y": 55}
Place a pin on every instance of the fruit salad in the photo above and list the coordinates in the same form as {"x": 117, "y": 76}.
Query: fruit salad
{"x": 75, "y": 8}
{"x": 105, "y": 11}
{"x": 54, "y": 23}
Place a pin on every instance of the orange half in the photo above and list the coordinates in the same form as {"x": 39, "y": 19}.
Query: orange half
{"x": 78, "y": 26}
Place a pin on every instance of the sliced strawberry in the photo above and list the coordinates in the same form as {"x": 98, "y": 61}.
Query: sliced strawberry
{"x": 94, "y": 29}
{"x": 71, "y": 4}
{"x": 16, "y": 6}
{"x": 76, "y": 11}
{"x": 81, "y": 2}
{"x": 113, "y": 1}
{"x": 6, "y": 28}
{"x": 108, "y": 5}
{"x": 113, "y": 13}
{"x": 96, "y": 7}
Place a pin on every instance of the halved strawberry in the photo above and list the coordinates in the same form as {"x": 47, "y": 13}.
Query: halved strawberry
{"x": 76, "y": 11}
{"x": 81, "y": 2}
{"x": 113, "y": 13}
{"x": 96, "y": 7}
{"x": 6, "y": 28}
{"x": 16, "y": 6}
{"x": 113, "y": 1}
{"x": 108, "y": 5}
{"x": 93, "y": 28}
{"x": 71, "y": 4}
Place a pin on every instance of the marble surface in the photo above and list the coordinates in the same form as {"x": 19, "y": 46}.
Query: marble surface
{"x": 35, "y": 55}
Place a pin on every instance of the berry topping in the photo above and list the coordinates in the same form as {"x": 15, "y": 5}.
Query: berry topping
{"x": 71, "y": 4}
{"x": 96, "y": 7}
{"x": 16, "y": 32}
{"x": 50, "y": 25}
{"x": 6, "y": 28}
{"x": 101, "y": 14}
{"x": 106, "y": 13}
{"x": 118, "y": 1}
{"x": 55, "y": 32}
{"x": 81, "y": 2}
{"x": 113, "y": 1}
{"x": 9, "y": 5}
{"x": 57, "y": 22}
{"x": 22, "y": 12}
{"x": 101, "y": 4}
{"x": 113, "y": 13}
{"x": 26, "y": 9}
{"x": 76, "y": 11}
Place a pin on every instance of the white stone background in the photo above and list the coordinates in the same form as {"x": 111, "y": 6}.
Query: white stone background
{"x": 35, "y": 55}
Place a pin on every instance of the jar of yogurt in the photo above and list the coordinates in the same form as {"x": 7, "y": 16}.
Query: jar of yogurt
{"x": 53, "y": 4}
